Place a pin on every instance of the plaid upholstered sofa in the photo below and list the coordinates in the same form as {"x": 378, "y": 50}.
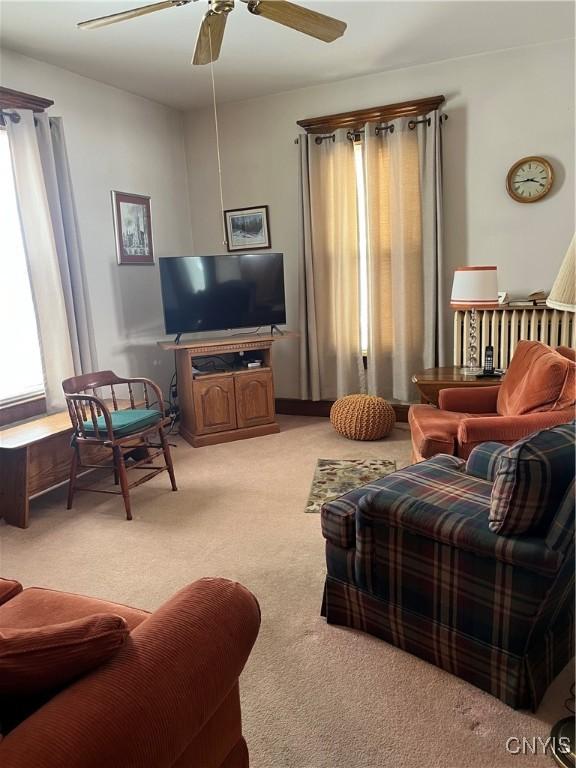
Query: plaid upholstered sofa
{"x": 466, "y": 564}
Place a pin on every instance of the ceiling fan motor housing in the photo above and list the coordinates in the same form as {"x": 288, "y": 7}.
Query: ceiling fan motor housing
{"x": 222, "y": 6}
{"x": 253, "y": 7}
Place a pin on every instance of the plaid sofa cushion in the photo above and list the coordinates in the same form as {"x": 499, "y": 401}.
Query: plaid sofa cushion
{"x": 483, "y": 461}
{"x": 443, "y": 483}
{"x": 463, "y": 527}
{"x": 338, "y": 517}
{"x": 531, "y": 480}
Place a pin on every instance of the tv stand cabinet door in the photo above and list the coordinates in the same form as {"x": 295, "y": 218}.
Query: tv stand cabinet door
{"x": 254, "y": 398}
{"x": 214, "y": 404}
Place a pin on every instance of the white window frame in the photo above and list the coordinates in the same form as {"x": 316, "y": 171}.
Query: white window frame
{"x": 30, "y": 395}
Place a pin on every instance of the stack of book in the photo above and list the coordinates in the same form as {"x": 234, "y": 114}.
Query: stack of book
{"x": 534, "y": 299}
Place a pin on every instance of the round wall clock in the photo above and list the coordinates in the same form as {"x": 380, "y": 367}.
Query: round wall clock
{"x": 530, "y": 179}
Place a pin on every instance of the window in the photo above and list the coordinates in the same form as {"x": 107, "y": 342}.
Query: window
{"x": 362, "y": 245}
{"x": 20, "y": 360}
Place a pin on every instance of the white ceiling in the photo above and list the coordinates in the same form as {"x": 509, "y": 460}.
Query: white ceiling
{"x": 151, "y": 55}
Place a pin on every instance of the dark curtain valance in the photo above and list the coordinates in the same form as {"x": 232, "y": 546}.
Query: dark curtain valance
{"x": 357, "y": 119}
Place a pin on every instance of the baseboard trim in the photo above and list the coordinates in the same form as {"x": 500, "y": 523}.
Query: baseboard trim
{"x": 294, "y": 407}
{"x": 242, "y": 433}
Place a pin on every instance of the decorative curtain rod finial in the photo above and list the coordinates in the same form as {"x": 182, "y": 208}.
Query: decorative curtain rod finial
{"x": 14, "y": 117}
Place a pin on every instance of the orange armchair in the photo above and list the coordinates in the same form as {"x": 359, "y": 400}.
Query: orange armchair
{"x": 169, "y": 697}
{"x": 537, "y": 392}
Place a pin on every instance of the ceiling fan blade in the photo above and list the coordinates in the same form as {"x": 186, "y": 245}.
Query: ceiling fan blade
{"x": 103, "y": 21}
{"x": 213, "y": 26}
{"x": 309, "y": 22}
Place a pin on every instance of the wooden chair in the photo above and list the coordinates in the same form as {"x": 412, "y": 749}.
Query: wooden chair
{"x": 120, "y": 424}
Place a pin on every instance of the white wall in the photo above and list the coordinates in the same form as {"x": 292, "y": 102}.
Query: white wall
{"x": 501, "y": 106}
{"x": 118, "y": 141}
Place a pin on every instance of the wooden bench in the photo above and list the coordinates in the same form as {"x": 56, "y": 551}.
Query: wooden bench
{"x": 34, "y": 457}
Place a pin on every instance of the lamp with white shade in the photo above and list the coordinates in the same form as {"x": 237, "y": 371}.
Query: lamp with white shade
{"x": 474, "y": 288}
{"x": 563, "y": 293}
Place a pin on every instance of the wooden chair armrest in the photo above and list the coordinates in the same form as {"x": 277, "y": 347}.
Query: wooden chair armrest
{"x": 95, "y": 404}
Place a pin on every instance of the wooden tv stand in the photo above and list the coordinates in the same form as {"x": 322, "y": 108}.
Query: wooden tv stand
{"x": 230, "y": 404}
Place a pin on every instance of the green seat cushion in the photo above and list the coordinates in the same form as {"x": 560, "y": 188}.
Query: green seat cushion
{"x": 125, "y": 422}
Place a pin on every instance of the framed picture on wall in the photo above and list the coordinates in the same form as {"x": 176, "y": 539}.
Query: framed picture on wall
{"x": 247, "y": 229}
{"x": 133, "y": 228}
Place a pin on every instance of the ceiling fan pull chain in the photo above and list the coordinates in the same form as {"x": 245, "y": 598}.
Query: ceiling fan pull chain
{"x": 224, "y": 238}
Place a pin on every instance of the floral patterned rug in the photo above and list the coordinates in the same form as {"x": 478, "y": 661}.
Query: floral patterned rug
{"x": 335, "y": 477}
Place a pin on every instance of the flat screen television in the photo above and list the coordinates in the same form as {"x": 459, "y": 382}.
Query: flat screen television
{"x": 217, "y": 293}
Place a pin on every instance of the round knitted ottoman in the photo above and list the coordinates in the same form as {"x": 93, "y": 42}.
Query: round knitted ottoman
{"x": 362, "y": 417}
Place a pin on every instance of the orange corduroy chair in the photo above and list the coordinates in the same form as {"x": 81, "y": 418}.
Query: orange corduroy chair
{"x": 168, "y": 697}
{"x": 537, "y": 392}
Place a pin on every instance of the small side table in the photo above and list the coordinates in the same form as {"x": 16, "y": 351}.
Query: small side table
{"x": 432, "y": 380}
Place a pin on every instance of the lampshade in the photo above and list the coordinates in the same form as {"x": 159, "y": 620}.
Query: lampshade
{"x": 563, "y": 293}
{"x": 474, "y": 287}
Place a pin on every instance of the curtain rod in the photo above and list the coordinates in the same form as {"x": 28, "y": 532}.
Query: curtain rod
{"x": 10, "y": 99}
{"x": 415, "y": 108}
{"x": 12, "y": 116}
{"x": 354, "y": 135}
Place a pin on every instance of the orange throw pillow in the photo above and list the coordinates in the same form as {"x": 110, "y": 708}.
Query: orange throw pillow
{"x": 33, "y": 661}
{"x": 567, "y": 352}
{"x": 538, "y": 379}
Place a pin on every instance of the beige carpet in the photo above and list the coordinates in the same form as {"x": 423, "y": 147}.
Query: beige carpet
{"x": 314, "y": 696}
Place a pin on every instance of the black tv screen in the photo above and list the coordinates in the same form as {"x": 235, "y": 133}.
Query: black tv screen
{"x": 216, "y": 293}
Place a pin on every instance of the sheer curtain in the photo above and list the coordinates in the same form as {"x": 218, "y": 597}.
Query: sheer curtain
{"x": 331, "y": 360}
{"x": 403, "y": 183}
{"x": 53, "y": 252}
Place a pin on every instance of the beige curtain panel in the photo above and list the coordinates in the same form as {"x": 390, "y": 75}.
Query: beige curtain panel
{"x": 402, "y": 163}
{"x": 331, "y": 359}
{"x": 402, "y": 213}
{"x": 51, "y": 242}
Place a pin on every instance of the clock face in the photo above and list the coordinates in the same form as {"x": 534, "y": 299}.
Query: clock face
{"x": 529, "y": 179}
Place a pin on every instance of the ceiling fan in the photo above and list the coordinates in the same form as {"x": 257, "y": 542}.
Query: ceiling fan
{"x": 211, "y": 32}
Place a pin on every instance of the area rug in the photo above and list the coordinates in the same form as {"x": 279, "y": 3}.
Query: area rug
{"x": 335, "y": 477}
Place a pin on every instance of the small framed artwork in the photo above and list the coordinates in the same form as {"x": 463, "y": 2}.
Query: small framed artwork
{"x": 133, "y": 228}
{"x": 247, "y": 229}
